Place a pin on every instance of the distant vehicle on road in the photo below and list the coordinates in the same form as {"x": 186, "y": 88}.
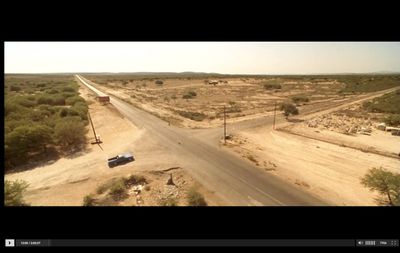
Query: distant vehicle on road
{"x": 120, "y": 159}
{"x": 103, "y": 99}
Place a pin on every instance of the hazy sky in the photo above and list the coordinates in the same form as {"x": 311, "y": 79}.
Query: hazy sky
{"x": 220, "y": 57}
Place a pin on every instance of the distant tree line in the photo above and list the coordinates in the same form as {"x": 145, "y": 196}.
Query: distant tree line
{"x": 367, "y": 83}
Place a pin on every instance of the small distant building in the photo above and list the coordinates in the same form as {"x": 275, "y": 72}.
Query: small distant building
{"x": 396, "y": 133}
{"x": 103, "y": 99}
{"x": 213, "y": 82}
{"x": 381, "y": 126}
{"x": 391, "y": 129}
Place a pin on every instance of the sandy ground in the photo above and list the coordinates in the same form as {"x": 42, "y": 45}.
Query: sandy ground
{"x": 165, "y": 111}
{"x": 327, "y": 170}
{"x": 66, "y": 181}
{"x": 251, "y": 99}
{"x": 380, "y": 141}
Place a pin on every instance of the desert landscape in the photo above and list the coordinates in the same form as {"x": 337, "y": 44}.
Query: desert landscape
{"x": 173, "y": 125}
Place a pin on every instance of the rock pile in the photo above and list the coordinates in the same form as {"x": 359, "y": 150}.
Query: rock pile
{"x": 342, "y": 124}
{"x": 168, "y": 192}
{"x": 135, "y": 190}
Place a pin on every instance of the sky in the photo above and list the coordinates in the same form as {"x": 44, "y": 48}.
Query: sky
{"x": 216, "y": 57}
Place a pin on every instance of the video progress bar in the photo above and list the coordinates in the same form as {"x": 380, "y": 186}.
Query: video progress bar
{"x": 202, "y": 242}
{"x": 185, "y": 242}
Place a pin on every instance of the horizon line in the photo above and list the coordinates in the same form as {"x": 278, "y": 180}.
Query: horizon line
{"x": 209, "y": 73}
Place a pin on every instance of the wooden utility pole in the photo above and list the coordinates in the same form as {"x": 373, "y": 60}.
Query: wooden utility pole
{"x": 91, "y": 123}
{"x": 274, "y": 114}
{"x": 224, "y": 125}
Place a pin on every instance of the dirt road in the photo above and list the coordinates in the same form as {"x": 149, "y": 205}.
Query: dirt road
{"x": 233, "y": 179}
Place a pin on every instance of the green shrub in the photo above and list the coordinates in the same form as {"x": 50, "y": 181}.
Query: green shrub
{"x": 299, "y": 99}
{"x": 272, "y": 86}
{"x": 118, "y": 190}
{"x": 159, "y": 82}
{"x": 73, "y": 112}
{"x": 68, "y": 94}
{"x": 357, "y": 84}
{"x": 79, "y": 109}
{"x": 386, "y": 183}
{"x": 69, "y": 132}
{"x": 194, "y": 198}
{"x": 234, "y": 107}
{"x": 10, "y": 107}
{"x": 41, "y": 85}
{"x": 68, "y": 89}
{"x": 31, "y": 98}
{"x": 39, "y": 116}
{"x": 192, "y": 93}
{"x": 15, "y": 88}
{"x": 47, "y": 108}
{"x": 63, "y": 112}
{"x": 52, "y": 91}
{"x": 134, "y": 180}
{"x": 73, "y": 100}
{"x": 104, "y": 187}
{"x": 14, "y": 193}
{"x": 288, "y": 109}
{"x": 27, "y": 138}
{"x": 89, "y": 200}
{"x": 197, "y": 116}
{"x": 393, "y": 120}
{"x": 388, "y": 103}
{"x": 189, "y": 95}
{"x": 59, "y": 100}
{"x": 14, "y": 123}
{"x": 24, "y": 101}
{"x": 45, "y": 100}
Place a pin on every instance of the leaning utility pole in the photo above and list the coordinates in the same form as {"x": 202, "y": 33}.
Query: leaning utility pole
{"x": 274, "y": 114}
{"x": 224, "y": 125}
{"x": 90, "y": 119}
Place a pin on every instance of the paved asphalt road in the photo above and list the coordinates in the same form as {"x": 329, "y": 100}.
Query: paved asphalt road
{"x": 232, "y": 178}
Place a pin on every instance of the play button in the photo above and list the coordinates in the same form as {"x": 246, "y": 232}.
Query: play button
{"x": 10, "y": 243}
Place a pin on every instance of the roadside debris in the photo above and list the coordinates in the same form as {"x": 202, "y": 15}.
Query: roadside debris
{"x": 342, "y": 124}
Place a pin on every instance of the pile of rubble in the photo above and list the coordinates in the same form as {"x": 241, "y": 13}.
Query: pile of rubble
{"x": 169, "y": 191}
{"x": 342, "y": 124}
{"x": 135, "y": 190}
{"x": 172, "y": 189}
